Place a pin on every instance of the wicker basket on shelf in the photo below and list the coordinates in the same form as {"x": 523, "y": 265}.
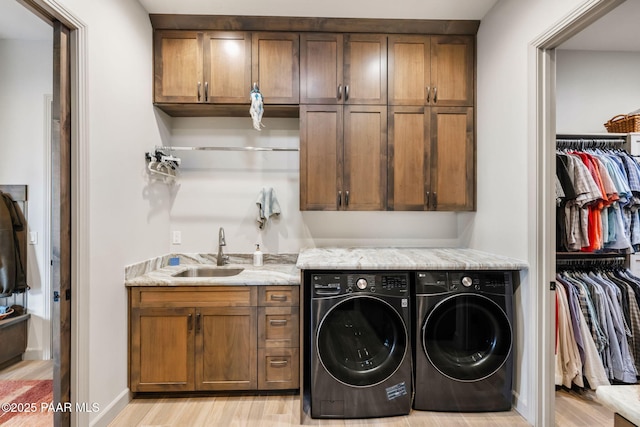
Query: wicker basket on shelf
{"x": 624, "y": 123}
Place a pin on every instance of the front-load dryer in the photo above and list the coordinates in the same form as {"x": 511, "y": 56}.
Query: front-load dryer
{"x": 463, "y": 341}
{"x": 360, "y": 351}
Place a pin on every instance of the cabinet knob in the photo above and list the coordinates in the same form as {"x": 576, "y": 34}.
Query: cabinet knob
{"x": 346, "y": 198}
{"x": 339, "y": 198}
{"x": 339, "y": 94}
{"x": 346, "y": 92}
{"x": 428, "y": 93}
{"x": 427, "y": 199}
{"x": 190, "y": 322}
{"x": 198, "y": 322}
{"x": 278, "y": 297}
{"x": 435, "y": 200}
{"x": 278, "y": 362}
{"x": 199, "y": 95}
{"x": 206, "y": 91}
{"x": 278, "y": 322}
{"x": 435, "y": 95}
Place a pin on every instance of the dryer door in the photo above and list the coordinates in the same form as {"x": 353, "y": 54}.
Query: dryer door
{"x": 467, "y": 337}
{"x": 362, "y": 341}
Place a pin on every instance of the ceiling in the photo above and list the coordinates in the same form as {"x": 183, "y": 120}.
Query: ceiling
{"x": 613, "y": 32}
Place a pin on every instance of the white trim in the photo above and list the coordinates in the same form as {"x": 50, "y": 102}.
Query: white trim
{"x": 542, "y": 129}
{"x": 47, "y": 333}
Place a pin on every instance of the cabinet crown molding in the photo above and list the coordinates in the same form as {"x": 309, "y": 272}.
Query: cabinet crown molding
{"x": 312, "y": 24}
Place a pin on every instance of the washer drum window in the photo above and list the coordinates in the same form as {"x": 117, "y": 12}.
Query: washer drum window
{"x": 362, "y": 341}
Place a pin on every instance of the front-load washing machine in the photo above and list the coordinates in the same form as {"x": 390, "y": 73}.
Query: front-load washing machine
{"x": 463, "y": 341}
{"x": 360, "y": 351}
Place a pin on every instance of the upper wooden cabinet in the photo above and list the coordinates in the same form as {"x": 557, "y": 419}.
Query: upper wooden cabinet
{"x": 343, "y": 69}
{"x": 193, "y": 67}
{"x": 343, "y": 152}
{"x": 275, "y": 66}
{"x": 431, "y": 158}
{"x": 431, "y": 70}
{"x": 220, "y": 67}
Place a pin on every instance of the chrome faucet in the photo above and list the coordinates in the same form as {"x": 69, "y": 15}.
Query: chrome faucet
{"x": 221, "y": 259}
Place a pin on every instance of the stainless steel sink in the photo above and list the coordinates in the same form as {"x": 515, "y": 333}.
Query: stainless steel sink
{"x": 209, "y": 272}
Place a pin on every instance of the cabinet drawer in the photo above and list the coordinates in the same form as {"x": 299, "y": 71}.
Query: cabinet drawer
{"x": 191, "y": 296}
{"x": 278, "y": 368}
{"x": 278, "y": 327}
{"x": 278, "y": 296}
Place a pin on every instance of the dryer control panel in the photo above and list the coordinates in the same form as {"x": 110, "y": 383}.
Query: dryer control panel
{"x": 435, "y": 282}
{"x": 333, "y": 284}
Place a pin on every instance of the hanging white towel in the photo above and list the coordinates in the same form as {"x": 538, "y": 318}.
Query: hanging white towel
{"x": 267, "y": 206}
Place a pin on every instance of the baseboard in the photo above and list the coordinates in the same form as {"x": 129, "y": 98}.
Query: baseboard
{"x": 33, "y": 354}
{"x": 111, "y": 411}
{"x": 520, "y": 406}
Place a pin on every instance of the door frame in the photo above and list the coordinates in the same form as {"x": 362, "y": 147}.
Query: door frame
{"x": 542, "y": 132}
{"x": 74, "y": 268}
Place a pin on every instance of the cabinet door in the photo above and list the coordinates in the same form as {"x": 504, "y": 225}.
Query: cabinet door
{"x": 365, "y": 69}
{"x": 276, "y": 67}
{"x": 453, "y": 159}
{"x": 226, "y": 350}
{"x": 321, "y": 64}
{"x": 227, "y": 67}
{"x": 178, "y": 66}
{"x": 320, "y": 156}
{"x": 452, "y": 70}
{"x": 162, "y": 349}
{"x": 409, "y": 70}
{"x": 409, "y": 147}
{"x": 365, "y": 157}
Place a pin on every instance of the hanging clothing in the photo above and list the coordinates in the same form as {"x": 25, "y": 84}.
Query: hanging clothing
{"x": 598, "y": 309}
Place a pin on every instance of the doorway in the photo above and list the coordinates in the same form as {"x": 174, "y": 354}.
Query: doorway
{"x": 543, "y": 51}
{"x": 68, "y": 264}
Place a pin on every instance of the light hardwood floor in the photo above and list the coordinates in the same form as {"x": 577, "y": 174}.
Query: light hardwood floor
{"x": 573, "y": 409}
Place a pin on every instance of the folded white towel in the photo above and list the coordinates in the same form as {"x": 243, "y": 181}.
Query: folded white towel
{"x": 267, "y": 206}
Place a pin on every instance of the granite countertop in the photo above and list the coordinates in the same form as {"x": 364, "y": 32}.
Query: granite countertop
{"x": 277, "y": 270}
{"x": 405, "y": 259}
{"x": 623, "y": 399}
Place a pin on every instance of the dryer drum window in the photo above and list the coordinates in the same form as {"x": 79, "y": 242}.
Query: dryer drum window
{"x": 467, "y": 337}
{"x": 362, "y": 341}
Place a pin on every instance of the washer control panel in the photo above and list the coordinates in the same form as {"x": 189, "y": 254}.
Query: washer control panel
{"x": 329, "y": 284}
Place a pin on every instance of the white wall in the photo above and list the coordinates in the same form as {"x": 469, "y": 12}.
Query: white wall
{"x": 219, "y": 189}
{"x": 506, "y": 163}
{"x": 593, "y": 87}
{"x": 25, "y": 78}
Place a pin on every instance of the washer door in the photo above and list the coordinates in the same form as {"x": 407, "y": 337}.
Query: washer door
{"x": 467, "y": 337}
{"x": 362, "y": 341}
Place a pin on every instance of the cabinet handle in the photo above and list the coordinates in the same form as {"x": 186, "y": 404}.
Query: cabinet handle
{"x": 278, "y": 297}
{"x": 339, "y": 94}
{"x": 435, "y": 200}
{"x": 346, "y": 92}
{"x": 428, "y": 200}
{"x": 435, "y": 95}
{"x": 190, "y": 322}
{"x": 278, "y": 322}
{"x": 428, "y": 93}
{"x": 346, "y": 198}
{"x": 339, "y": 198}
{"x": 197, "y": 322}
{"x": 206, "y": 91}
{"x": 278, "y": 362}
{"x": 199, "y": 87}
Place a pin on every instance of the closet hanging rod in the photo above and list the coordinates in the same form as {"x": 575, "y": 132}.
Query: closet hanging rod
{"x": 228, "y": 148}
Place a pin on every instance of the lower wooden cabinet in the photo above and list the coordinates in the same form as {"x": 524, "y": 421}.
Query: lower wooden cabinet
{"x": 213, "y": 338}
